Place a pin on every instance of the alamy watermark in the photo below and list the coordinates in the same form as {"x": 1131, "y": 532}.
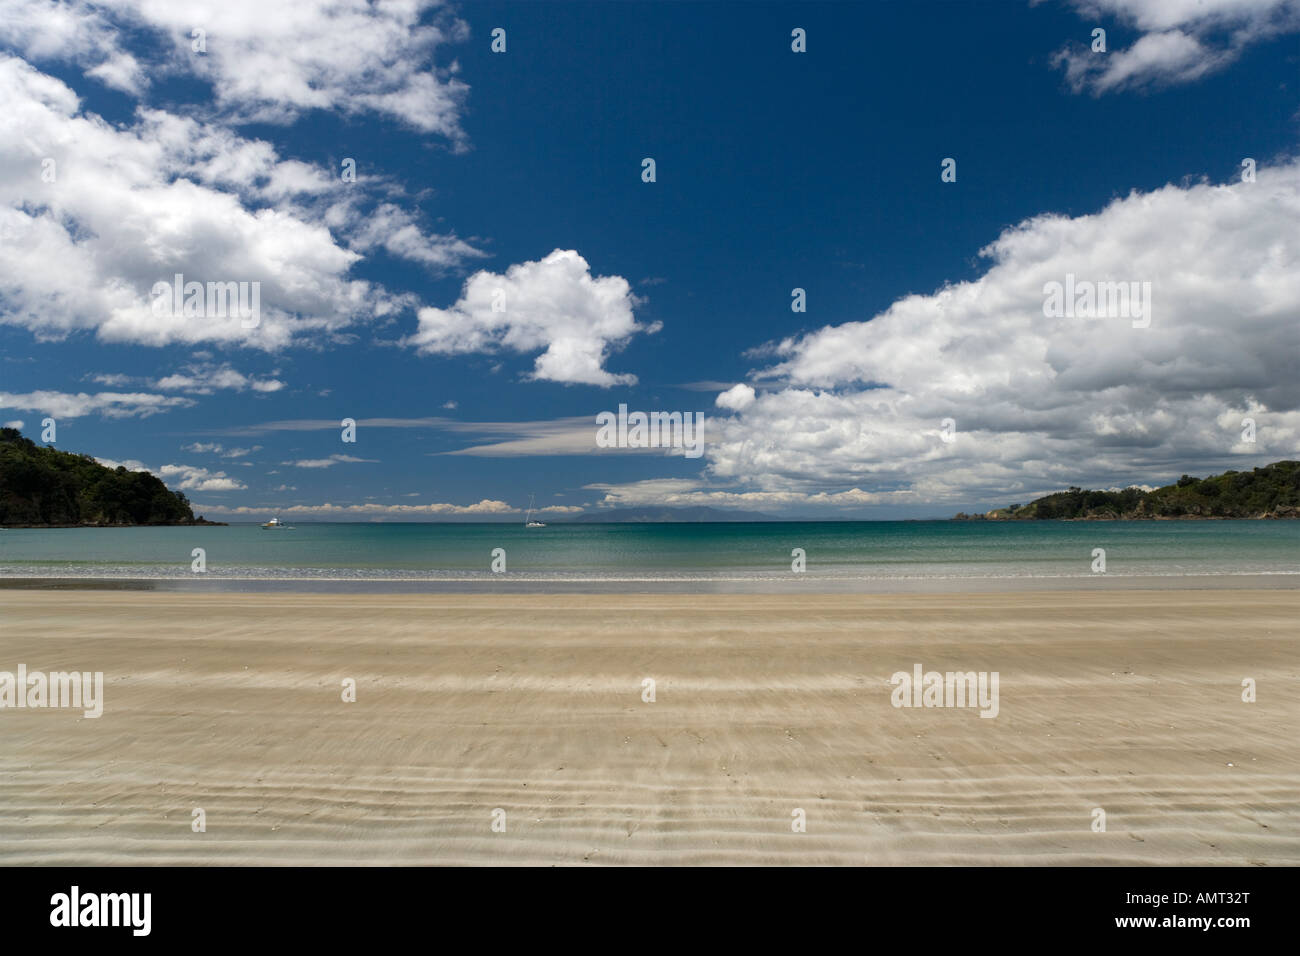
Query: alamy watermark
{"x": 684, "y": 430}
{"x": 951, "y": 689}
{"x": 215, "y": 300}
{"x": 1084, "y": 299}
{"x": 75, "y": 908}
{"x": 36, "y": 689}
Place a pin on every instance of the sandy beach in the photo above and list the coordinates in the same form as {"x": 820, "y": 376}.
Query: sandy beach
{"x": 1124, "y": 701}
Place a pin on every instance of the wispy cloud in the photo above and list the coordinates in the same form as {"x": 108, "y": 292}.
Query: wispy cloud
{"x": 329, "y": 462}
{"x": 684, "y": 492}
{"x": 215, "y": 448}
{"x": 107, "y": 404}
{"x": 368, "y": 510}
{"x": 574, "y": 435}
{"x": 1181, "y": 41}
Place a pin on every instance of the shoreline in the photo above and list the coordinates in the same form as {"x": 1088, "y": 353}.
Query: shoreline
{"x": 111, "y": 527}
{"x": 810, "y": 584}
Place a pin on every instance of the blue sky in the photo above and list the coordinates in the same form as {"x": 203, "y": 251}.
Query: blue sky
{"x": 775, "y": 170}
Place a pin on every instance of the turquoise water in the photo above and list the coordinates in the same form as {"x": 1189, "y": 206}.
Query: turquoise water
{"x": 755, "y": 552}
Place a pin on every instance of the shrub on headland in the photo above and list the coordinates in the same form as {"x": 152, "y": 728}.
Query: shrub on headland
{"x": 1272, "y": 491}
{"x": 42, "y": 486}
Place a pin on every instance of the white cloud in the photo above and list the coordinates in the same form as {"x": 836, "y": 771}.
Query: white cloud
{"x": 76, "y": 33}
{"x": 1041, "y": 403}
{"x": 687, "y": 492}
{"x": 332, "y": 424}
{"x": 1149, "y": 15}
{"x": 373, "y": 509}
{"x": 129, "y": 464}
{"x": 267, "y": 62}
{"x": 127, "y": 210}
{"x": 16, "y": 423}
{"x": 201, "y": 378}
{"x": 554, "y": 305}
{"x": 194, "y": 478}
{"x": 132, "y": 205}
{"x": 329, "y": 462}
{"x": 396, "y": 231}
{"x": 206, "y": 379}
{"x": 737, "y": 398}
{"x": 563, "y": 436}
{"x": 560, "y": 436}
{"x": 181, "y": 477}
{"x": 107, "y": 404}
{"x": 115, "y": 380}
{"x": 1181, "y": 41}
{"x": 216, "y": 448}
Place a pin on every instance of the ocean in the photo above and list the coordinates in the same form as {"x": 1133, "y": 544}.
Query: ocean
{"x": 837, "y": 556}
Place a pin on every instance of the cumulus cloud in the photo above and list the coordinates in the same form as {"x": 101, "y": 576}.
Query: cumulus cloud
{"x": 265, "y": 62}
{"x": 85, "y": 250}
{"x": 181, "y": 477}
{"x": 207, "y": 378}
{"x": 194, "y": 478}
{"x": 737, "y": 398}
{"x": 94, "y": 217}
{"x": 1180, "y": 41}
{"x": 197, "y": 379}
{"x": 554, "y": 305}
{"x": 1040, "y": 403}
{"x": 71, "y": 32}
{"x": 107, "y": 404}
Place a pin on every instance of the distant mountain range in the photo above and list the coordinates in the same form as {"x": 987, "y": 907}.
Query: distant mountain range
{"x": 1272, "y": 491}
{"x": 660, "y": 514}
{"x": 41, "y": 487}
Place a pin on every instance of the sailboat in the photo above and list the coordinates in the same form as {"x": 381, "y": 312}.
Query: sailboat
{"x": 528, "y": 521}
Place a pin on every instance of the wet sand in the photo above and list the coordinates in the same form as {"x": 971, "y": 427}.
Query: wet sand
{"x": 1125, "y": 701}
